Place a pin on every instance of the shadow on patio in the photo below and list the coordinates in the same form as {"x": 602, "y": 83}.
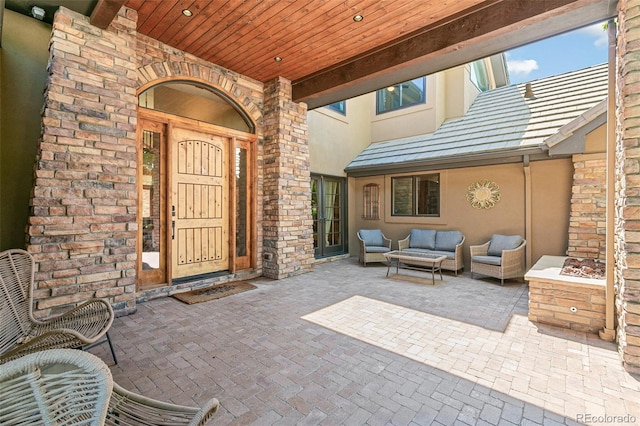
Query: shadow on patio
{"x": 345, "y": 345}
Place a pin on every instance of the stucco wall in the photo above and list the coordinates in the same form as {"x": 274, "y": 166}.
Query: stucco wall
{"x": 335, "y": 139}
{"x": 409, "y": 121}
{"x": 24, "y": 56}
{"x": 549, "y": 213}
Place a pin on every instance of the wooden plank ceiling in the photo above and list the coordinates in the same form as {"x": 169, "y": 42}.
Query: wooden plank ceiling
{"x": 246, "y": 36}
{"x": 329, "y": 56}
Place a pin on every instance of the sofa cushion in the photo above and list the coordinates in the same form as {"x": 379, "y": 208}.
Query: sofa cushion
{"x": 371, "y": 237}
{"x": 376, "y": 249}
{"x": 448, "y": 240}
{"x": 422, "y": 238}
{"x": 449, "y": 254}
{"x": 503, "y": 242}
{"x": 491, "y": 260}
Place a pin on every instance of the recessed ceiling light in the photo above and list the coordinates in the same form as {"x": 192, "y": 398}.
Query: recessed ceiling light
{"x": 358, "y": 18}
{"x": 187, "y": 12}
{"x": 277, "y": 59}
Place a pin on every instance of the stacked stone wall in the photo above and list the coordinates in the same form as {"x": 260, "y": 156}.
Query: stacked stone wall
{"x": 627, "y": 186}
{"x": 158, "y": 62}
{"x": 587, "y": 221}
{"x": 287, "y": 225}
{"x": 82, "y": 228}
{"x": 83, "y": 225}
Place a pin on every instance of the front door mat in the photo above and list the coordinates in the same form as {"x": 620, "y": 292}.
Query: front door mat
{"x": 214, "y": 292}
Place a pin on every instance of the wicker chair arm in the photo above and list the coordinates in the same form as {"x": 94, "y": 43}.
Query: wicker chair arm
{"x": 479, "y": 250}
{"x": 361, "y": 241}
{"x": 91, "y": 320}
{"x": 387, "y": 241}
{"x": 513, "y": 255}
{"x": 458, "y": 250}
{"x": 51, "y": 339}
{"x": 129, "y": 408}
{"x": 404, "y": 243}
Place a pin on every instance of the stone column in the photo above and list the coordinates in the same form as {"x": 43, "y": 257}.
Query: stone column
{"x": 627, "y": 200}
{"x": 587, "y": 223}
{"x": 82, "y": 229}
{"x": 287, "y": 225}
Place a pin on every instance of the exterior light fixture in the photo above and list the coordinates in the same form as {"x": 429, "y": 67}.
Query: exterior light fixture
{"x": 38, "y": 13}
{"x": 358, "y": 18}
{"x": 277, "y": 59}
{"x": 187, "y": 13}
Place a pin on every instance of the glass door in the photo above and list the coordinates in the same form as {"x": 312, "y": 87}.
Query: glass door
{"x": 328, "y": 209}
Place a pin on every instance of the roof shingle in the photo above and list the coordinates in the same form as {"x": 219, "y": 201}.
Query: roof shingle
{"x": 498, "y": 121}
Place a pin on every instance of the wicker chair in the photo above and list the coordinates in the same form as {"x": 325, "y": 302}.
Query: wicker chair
{"x": 128, "y": 408}
{"x": 64, "y": 386}
{"x": 80, "y": 327}
{"x": 501, "y": 257}
{"x": 61, "y": 387}
{"x": 373, "y": 245}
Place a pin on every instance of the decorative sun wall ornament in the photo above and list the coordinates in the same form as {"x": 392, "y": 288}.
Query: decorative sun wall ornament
{"x": 483, "y": 194}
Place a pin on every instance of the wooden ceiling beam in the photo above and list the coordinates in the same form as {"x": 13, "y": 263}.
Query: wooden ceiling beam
{"x": 104, "y": 12}
{"x": 492, "y": 28}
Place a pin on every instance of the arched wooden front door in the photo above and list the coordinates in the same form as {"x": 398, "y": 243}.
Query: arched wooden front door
{"x": 196, "y": 180}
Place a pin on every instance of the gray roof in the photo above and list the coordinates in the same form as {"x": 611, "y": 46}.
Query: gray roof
{"x": 499, "y": 125}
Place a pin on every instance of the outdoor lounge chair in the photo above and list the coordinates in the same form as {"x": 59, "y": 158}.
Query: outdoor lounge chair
{"x": 64, "y": 386}
{"x": 501, "y": 257}
{"x": 373, "y": 245}
{"x": 21, "y": 334}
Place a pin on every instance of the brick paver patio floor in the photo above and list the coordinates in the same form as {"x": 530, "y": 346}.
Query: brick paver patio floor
{"x": 345, "y": 345}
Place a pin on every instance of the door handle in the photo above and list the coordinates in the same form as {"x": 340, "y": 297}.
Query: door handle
{"x": 173, "y": 223}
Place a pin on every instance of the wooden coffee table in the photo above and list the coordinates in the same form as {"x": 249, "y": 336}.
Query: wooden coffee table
{"x": 412, "y": 260}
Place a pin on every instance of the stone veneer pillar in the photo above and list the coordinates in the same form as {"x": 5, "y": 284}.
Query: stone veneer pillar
{"x": 82, "y": 228}
{"x": 587, "y": 222}
{"x": 287, "y": 225}
{"x": 627, "y": 200}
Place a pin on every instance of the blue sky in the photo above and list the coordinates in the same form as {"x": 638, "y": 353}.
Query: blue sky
{"x": 556, "y": 55}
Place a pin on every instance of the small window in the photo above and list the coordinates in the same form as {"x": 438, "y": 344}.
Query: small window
{"x": 401, "y": 95}
{"x": 416, "y": 195}
{"x": 371, "y": 207}
{"x": 478, "y": 75}
{"x": 340, "y": 107}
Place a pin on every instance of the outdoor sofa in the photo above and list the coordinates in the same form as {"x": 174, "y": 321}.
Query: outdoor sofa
{"x": 447, "y": 243}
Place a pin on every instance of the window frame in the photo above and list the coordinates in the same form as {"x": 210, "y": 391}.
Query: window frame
{"x": 340, "y": 107}
{"x": 380, "y": 109}
{"x": 415, "y": 195}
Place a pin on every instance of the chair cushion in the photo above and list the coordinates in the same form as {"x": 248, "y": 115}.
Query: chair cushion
{"x": 448, "y": 240}
{"x": 371, "y": 237}
{"x": 491, "y": 260}
{"x": 422, "y": 238}
{"x": 503, "y": 242}
{"x": 377, "y": 249}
